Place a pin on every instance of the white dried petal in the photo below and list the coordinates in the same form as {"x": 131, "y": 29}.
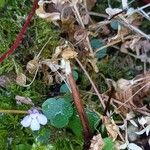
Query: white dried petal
{"x": 59, "y": 1}
{"x": 124, "y": 4}
{"x": 130, "y": 11}
{"x": 112, "y": 11}
{"x": 130, "y": 115}
{"x": 147, "y": 130}
{"x": 132, "y": 146}
{"x": 65, "y": 64}
{"x": 52, "y": 16}
{"x": 133, "y": 123}
{"x": 42, "y": 119}
{"x": 35, "y": 125}
{"x": 26, "y": 121}
{"x": 141, "y": 132}
{"x": 142, "y": 121}
{"x": 42, "y": 2}
{"x": 147, "y": 119}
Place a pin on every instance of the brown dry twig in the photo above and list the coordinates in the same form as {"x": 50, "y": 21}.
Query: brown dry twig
{"x": 80, "y": 108}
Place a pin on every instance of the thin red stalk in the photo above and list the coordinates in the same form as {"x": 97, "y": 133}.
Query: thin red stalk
{"x": 80, "y": 108}
{"x": 20, "y": 36}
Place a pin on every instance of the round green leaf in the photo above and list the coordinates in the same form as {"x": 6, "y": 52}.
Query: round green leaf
{"x": 114, "y": 25}
{"x": 64, "y": 89}
{"x": 52, "y": 107}
{"x": 59, "y": 121}
{"x": 68, "y": 97}
{"x": 97, "y": 43}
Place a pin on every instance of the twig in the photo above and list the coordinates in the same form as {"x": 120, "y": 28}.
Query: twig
{"x": 132, "y": 96}
{"x": 109, "y": 100}
{"x": 97, "y": 14}
{"x": 111, "y": 44}
{"x": 93, "y": 85}
{"x": 77, "y": 14}
{"x": 122, "y": 20}
{"x": 13, "y": 111}
{"x": 80, "y": 108}
{"x": 21, "y": 33}
{"x": 37, "y": 57}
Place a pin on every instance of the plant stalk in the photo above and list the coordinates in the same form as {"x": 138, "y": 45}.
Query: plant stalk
{"x": 82, "y": 114}
{"x": 13, "y": 111}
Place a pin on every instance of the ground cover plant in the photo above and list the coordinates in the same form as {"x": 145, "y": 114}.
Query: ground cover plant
{"x": 74, "y": 74}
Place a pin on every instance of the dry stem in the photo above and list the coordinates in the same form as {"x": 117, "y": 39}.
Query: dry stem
{"x": 80, "y": 108}
{"x": 93, "y": 85}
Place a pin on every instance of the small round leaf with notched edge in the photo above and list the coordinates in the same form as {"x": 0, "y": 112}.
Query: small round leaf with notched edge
{"x": 64, "y": 89}
{"x": 52, "y": 107}
{"x": 97, "y": 43}
{"x": 59, "y": 121}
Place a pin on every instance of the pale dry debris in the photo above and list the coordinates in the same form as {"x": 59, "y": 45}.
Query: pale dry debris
{"x": 132, "y": 93}
{"x": 123, "y": 93}
{"x": 137, "y": 45}
{"x": 111, "y": 127}
{"x": 21, "y": 79}
{"x": 54, "y": 16}
{"x": 97, "y": 143}
{"x": 48, "y": 79}
{"x": 52, "y": 64}
{"x": 23, "y": 100}
{"x": 4, "y": 81}
{"x": 32, "y": 66}
{"x": 69, "y": 53}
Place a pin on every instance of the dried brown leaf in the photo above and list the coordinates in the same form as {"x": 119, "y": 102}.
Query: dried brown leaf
{"x": 23, "y": 100}
{"x": 21, "y": 79}
{"x": 32, "y": 66}
{"x": 112, "y": 129}
{"x": 48, "y": 79}
{"x": 97, "y": 143}
{"x": 69, "y": 53}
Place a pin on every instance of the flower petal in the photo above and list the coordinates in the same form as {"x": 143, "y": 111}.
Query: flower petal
{"x": 132, "y": 146}
{"x": 35, "y": 125}
{"x": 34, "y": 115}
{"x": 26, "y": 121}
{"x": 42, "y": 119}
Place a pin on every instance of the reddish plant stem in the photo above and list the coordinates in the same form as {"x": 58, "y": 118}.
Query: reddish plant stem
{"x": 21, "y": 33}
{"x": 80, "y": 108}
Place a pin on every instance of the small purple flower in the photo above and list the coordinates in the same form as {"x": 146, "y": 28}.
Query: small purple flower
{"x": 33, "y": 120}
